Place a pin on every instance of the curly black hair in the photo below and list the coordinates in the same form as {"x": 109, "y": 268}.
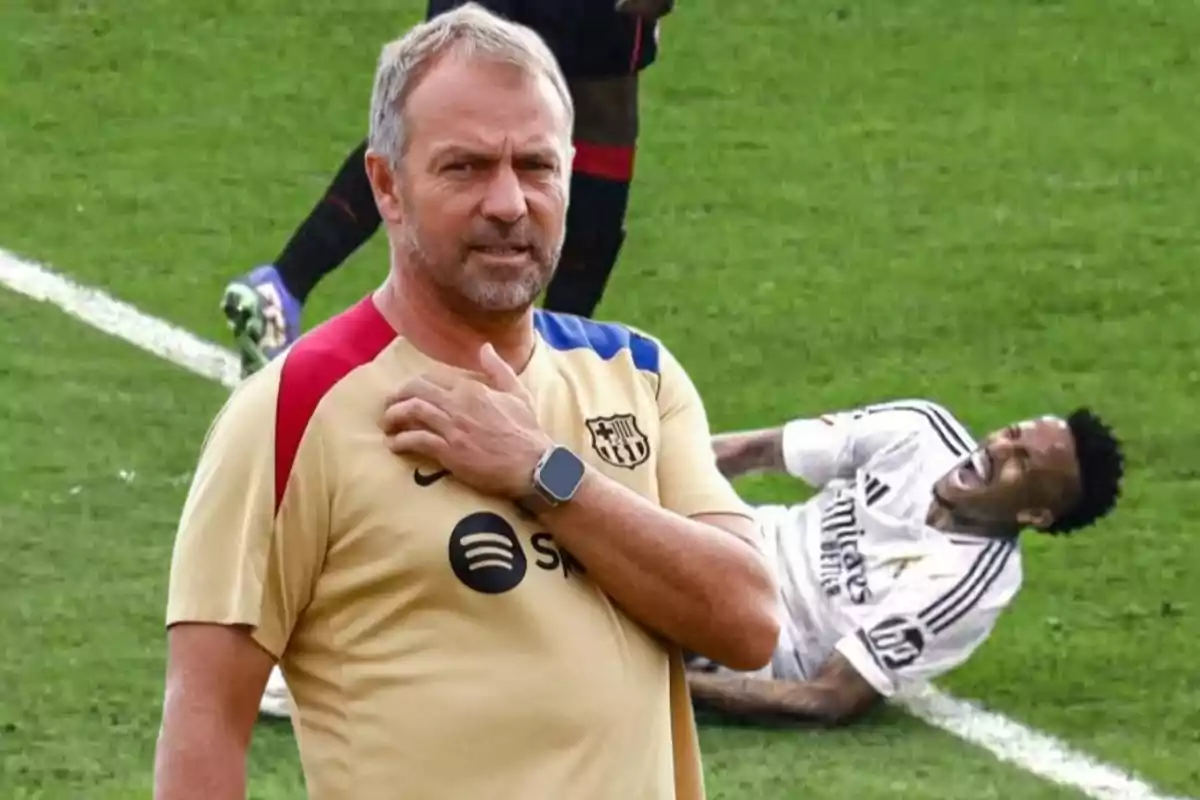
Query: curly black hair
{"x": 1101, "y": 467}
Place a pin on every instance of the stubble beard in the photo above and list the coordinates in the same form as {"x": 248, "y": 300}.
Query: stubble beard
{"x": 480, "y": 292}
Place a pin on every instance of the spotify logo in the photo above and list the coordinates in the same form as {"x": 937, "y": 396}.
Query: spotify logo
{"x": 485, "y": 553}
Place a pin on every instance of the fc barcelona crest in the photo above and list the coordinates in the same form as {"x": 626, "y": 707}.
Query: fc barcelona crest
{"x": 619, "y": 440}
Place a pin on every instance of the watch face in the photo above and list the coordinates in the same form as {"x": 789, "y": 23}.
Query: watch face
{"x": 561, "y": 474}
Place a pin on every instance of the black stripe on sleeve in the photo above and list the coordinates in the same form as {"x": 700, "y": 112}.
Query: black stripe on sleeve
{"x": 949, "y": 430}
{"x": 988, "y": 566}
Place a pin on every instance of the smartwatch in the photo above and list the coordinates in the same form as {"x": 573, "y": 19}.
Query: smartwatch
{"x": 556, "y": 478}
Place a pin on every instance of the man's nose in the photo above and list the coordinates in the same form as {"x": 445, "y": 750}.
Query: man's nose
{"x": 505, "y": 197}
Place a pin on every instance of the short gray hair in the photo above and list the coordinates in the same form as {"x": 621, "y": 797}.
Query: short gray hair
{"x": 469, "y": 31}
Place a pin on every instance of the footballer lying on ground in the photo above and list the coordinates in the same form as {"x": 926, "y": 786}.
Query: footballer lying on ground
{"x": 897, "y": 569}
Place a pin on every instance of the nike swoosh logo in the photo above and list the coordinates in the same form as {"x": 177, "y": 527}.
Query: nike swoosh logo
{"x": 429, "y": 479}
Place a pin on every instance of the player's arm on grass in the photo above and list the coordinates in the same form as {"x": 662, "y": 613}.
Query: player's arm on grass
{"x": 837, "y": 695}
{"x": 819, "y": 449}
{"x": 689, "y": 566}
{"x": 240, "y": 574}
{"x": 929, "y": 623}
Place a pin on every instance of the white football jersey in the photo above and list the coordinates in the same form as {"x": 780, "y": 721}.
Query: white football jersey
{"x": 860, "y": 570}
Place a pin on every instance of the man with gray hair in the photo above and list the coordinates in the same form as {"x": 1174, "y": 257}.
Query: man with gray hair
{"x": 476, "y": 536}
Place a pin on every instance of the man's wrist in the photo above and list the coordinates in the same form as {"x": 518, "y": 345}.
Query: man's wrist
{"x": 553, "y": 481}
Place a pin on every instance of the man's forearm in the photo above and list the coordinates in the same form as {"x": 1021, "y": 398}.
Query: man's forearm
{"x": 749, "y": 451}
{"x": 703, "y": 588}
{"x": 765, "y": 701}
{"x": 837, "y": 694}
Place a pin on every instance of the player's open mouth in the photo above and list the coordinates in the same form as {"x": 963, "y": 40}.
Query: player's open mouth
{"x": 975, "y": 471}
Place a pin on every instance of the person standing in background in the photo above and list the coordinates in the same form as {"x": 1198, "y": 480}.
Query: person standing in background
{"x": 602, "y": 48}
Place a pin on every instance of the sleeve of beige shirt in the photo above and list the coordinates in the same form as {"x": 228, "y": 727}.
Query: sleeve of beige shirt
{"x": 689, "y": 482}
{"x": 253, "y": 531}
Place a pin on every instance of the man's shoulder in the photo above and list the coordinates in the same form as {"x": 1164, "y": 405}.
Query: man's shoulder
{"x": 567, "y": 333}
{"x": 338, "y": 346}
{"x": 919, "y": 410}
{"x": 289, "y": 390}
{"x": 326, "y": 355}
{"x": 926, "y": 430}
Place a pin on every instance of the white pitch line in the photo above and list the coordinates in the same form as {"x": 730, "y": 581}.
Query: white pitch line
{"x": 1009, "y": 741}
{"x": 1035, "y": 752}
{"x": 121, "y": 320}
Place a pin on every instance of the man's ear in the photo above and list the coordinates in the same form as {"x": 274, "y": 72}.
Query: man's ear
{"x": 1035, "y": 517}
{"x": 384, "y": 186}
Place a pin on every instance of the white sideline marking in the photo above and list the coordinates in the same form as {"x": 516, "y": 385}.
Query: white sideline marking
{"x": 121, "y": 320}
{"x": 1007, "y": 740}
{"x": 1035, "y": 752}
